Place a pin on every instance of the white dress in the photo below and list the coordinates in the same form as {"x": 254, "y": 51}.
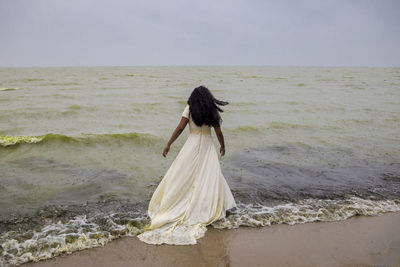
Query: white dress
{"x": 192, "y": 194}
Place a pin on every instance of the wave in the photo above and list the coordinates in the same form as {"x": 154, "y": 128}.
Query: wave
{"x": 274, "y": 125}
{"x": 13, "y": 140}
{"x": 353, "y": 120}
{"x": 140, "y": 107}
{"x": 183, "y": 84}
{"x": 32, "y": 80}
{"x": 64, "y": 83}
{"x": 75, "y": 107}
{"x": 83, "y": 232}
{"x": 244, "y": 128}
{"x": 306, "y": 210}
{"x": 282, "y": 125}
{"x": 9, "y": 88}
{"x": 59, "y": 238}
{"x": 144, "y": 138}
{"x": 293, "y": 102}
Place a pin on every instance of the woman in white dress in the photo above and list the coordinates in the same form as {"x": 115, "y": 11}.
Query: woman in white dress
{"x": 193, "y": 192}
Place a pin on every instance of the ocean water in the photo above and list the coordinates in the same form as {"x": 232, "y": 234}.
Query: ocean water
{"x": 81, "y": 148}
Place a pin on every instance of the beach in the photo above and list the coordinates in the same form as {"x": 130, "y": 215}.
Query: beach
{"x": 358, "y": 241}
{"x": 81, "y": 155}
{"x": 104, "y": 115}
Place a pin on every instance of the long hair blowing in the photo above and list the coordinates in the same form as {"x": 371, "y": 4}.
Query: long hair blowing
{"x": 203, "y": 107}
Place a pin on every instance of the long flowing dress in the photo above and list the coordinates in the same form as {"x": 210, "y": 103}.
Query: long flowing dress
{"x": 192, "y": 194}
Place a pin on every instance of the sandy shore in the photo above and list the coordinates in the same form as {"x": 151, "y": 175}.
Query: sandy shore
{"x": 358, "y": 241}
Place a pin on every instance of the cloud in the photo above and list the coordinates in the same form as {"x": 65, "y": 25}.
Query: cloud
{"x": 83, "y": 33}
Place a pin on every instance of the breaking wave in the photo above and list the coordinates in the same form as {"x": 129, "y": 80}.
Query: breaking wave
{"x": 83, "y": 232}
{"x": 6, "y": 140}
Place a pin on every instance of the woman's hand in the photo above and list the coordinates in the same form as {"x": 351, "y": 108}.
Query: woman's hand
{"x": 222, "y": 151}
{"x": 165, "y": 152}
{"x": 178, "y": 130}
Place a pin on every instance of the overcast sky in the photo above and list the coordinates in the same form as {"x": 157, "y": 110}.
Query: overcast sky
{"x": 203, "y": 32}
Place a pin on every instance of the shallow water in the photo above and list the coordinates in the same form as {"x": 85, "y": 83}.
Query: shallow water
{"x": 80, "y": 148}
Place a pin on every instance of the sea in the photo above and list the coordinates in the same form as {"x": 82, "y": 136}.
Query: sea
{"x": 81, "y": 148}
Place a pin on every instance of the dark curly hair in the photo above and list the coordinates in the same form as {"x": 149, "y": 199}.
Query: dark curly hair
{"x": 203, "y": 107}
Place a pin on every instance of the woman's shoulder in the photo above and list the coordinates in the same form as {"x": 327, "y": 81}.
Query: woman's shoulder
{"x": 186, "y": 111}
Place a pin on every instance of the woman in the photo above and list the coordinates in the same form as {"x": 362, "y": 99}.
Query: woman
{"x": 193, "y": 192}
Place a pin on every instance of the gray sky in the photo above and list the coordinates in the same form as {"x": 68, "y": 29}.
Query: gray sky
{"x": 206, "y": 32}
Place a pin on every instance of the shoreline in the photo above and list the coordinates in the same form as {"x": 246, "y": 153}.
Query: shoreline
{"x": 359, "y": 240}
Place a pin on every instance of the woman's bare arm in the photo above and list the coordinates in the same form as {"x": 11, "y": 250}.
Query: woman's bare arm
{"x": 178, "y": 130}
{"x": 220, "y": 137}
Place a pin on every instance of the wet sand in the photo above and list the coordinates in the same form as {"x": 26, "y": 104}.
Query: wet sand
{"x": 358, "y": 241}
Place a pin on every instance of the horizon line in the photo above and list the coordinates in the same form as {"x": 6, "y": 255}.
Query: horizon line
{"x": 108, "y": 66}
